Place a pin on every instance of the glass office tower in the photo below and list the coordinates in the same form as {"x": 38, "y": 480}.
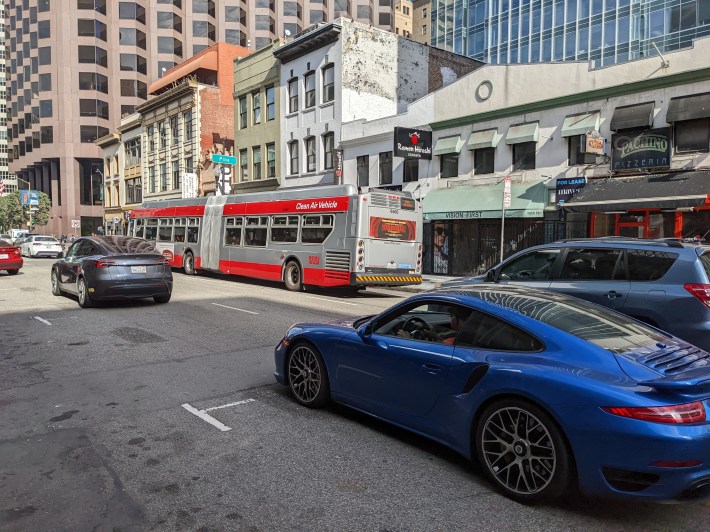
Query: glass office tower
{"x": 604, "y": 31}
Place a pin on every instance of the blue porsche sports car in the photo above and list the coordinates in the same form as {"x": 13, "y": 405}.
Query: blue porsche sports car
{"x": 546, "y": 390}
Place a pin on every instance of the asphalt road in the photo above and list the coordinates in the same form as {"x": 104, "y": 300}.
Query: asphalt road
{"x": 94, "y": 434}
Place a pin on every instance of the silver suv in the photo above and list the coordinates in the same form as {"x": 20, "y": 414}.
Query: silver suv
{"x": 665, "y": 282}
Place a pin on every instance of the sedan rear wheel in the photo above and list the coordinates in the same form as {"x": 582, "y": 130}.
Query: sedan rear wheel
{"x": 83, "y": 291}
{"x": 161, "y": 299}
{"x": 523, "y": 451}
{"x": 307, "y": 376}
{"x": 12, "y": 272}
{"x": 55, "y": 284}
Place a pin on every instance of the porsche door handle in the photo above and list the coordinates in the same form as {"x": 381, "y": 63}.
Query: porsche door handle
{"x": 431, "y": 368}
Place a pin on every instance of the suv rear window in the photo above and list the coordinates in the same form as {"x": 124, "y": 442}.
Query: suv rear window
{"x": 705, "y": 261}
{"x": 649, "y": 265}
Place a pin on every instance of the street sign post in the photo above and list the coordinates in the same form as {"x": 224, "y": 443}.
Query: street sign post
{"x": 507, "y": 199}
{"x": 75, "y": 224}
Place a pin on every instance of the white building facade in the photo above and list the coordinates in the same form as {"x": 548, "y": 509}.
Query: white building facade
{"x": 530, "y": 122}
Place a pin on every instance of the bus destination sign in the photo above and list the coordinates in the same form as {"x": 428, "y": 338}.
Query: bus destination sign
{"x": 392, "y": 229}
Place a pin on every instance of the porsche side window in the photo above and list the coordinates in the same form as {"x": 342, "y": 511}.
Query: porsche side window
{"x": 482, "y": 331}
{"x": 429, "y": 322}
{"x": 533, "y": 266}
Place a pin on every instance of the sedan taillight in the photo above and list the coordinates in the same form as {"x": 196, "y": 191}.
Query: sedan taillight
{"x": 675, "y": 414}
{"x": 105, "y": 263}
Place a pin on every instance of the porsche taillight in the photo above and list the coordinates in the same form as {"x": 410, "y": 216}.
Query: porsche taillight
{"x": 674, "y": 415}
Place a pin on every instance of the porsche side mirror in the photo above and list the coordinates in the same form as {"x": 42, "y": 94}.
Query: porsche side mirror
{"x": 365, "y": 331}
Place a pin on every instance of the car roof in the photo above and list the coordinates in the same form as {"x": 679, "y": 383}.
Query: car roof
{"x": 629, "y": 242}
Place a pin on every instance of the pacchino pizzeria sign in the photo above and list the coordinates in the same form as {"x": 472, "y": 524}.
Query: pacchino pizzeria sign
{"x": 412, "y": 143}
{"x": 650, "y": 148}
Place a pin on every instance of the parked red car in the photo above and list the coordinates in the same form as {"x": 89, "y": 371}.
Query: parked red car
{"x": 10, "y": 258}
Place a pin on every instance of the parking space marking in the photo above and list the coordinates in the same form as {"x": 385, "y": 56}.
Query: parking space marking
{"x": 235, "y": 308}
{"x": 333, "y": 301}
{"x": 245, "y": 401}
{"x": 206, "y": 417}
{"x": 42, "y": 320}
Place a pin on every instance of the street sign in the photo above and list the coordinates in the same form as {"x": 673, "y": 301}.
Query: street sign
{"x": 507, "y": 196}
{"x": 223, "y": 159}
{"x": 76, "y": 224}
{"x": 189, "y": 185}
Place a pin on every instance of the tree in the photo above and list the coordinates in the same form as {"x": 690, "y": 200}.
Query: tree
{"x": 13, "y": 214}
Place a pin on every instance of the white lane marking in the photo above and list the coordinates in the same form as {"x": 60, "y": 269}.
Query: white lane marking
{"x": 206, "y": 417}
{"x": 3, "y": 289}
{"x": 333, "y": 300}
{"x": 245, "y": 401}
{"x": 68, "y": 318}
{"x": 42, "y": 320}
{"x": 235, "y": 308}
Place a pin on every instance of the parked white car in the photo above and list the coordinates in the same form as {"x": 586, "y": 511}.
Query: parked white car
{"x": 41, "y": 246}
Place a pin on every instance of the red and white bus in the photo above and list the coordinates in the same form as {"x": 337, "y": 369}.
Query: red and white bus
{"x": 322, "y": 236}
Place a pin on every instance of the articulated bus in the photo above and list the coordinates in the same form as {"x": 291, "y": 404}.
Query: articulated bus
{"x": 322, "y": 236}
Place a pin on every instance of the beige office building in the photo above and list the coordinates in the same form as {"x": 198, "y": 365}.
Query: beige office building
{"x": 78, "y": 66}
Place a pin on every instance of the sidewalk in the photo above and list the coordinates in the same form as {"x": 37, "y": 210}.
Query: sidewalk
{"x": 429, "y": 282}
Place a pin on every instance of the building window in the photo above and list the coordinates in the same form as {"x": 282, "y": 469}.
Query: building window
{"x": 163, "y": 177}
{"x": 256, "y": 162}
{"x": 242, "y": 112}
{"x": 133, "y": 63}
{"x": 134, "y": 190}
{"x": 692, "y": 135}
{"x": 270, "y": 160}
{"x": 135, "y": 88}
{"x": 423, "y": 29}
{"x": 386, "y": 168}
{"x": 244, "y": 164}
{"x": 189, "y": 166}
{"x": 411, "y": 170}
{"x": 131, "y": 37}
{"x": 91, "y": 28}
{"x": 151, "y": 179}
{"x": 174, "y": 129}
{"x": 270, "y": 103}
{"x": 45, "y": 82}
{"x": 176, "y": 175}
{"x": 90, "y": 81}
{"x": 483, "y": 159}
{"x": 45, "y": 55}
{"x": 450, "y": 165}
{"x": 293, "y": 95}
{"x": 131, "y": 11}
{"x": 91, "y": 107}
{"x": 150, "y": 133}
{"x": 310, "y": 143}
{"x": 163, "y": 135}
{"x": 328, "y": 83}
{"x": 309, "y": 81}
{"x": 293, "y": 157}
{"x": 187, "y": 125}
{"x": 93, "y": 54}
{"x": 46, "y": 134}
{"x": 575, "y": 154}
{"x": 363, "y": 170}
{"x": 328, "y": 145}
{"x": 524, "y": 156}
{"x": 256, "y": 107}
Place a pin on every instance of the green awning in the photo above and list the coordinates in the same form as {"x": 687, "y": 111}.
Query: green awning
{"x": 580, "y": 124}
{"x": 485, "y": 201}
{"x": 688, "y": 107}
{"x": 483, "y": 139}
{"x": 448, "y": 145}
{"x": 529, "y": 132}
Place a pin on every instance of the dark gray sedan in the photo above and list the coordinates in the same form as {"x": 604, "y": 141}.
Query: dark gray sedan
{"x": 112, "y": 267}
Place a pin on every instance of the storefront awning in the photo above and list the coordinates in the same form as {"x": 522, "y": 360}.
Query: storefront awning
{"x": 523, "y": 133}
{"x": 485, "y": 201}
{"x": 688, "y": 108}
{"x": 580, "y": 124}
{"x": 632, "y": 116}
{"x": 483, "y": 139}
{"x": 448, "y": 145}
{"x": 655, "y": 191}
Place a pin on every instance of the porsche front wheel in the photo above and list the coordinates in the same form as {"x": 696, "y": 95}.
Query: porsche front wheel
{"x": 307, "y": 376}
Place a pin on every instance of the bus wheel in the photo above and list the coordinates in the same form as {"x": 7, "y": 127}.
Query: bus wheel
{"x": 188, "y": 263}
{"x": 292, "y": 276}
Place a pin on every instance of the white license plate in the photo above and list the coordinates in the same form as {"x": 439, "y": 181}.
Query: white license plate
{"x": 137, "y": 269}
{"x": 4, "y": 256}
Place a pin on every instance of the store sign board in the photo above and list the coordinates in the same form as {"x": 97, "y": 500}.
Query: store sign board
{"x": 412, "y": 143}
{"x": 650, "y": 148}
{"x": 566, "y": 188}
{"x": 594, "y": 143}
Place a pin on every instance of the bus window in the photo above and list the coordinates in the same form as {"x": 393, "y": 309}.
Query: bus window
{"x": 192, "y": 233}
{"x": 255, "y": 231}
{"x": 165, "y": 233}
{"x": 284, "y": 229}
{"x": 316, "y": 228}
{"x": 151, "y": 230}
{"x": 233, "y": 232}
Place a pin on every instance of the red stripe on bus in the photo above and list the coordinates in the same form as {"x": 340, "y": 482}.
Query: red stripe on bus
{"x": 184, "y": 210}
{"x": 273, "y": 272}
{"x": 334, "y": 204}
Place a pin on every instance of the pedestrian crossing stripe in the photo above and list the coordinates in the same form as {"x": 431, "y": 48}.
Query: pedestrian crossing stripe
{"x": 389, "y": 278}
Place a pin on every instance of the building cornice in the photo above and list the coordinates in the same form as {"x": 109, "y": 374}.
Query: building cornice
{"x": 186, "y": 87}
{"x": 580, "y": 97}
{"x": 108, "y": 140}
{"x": 307, "y": 41}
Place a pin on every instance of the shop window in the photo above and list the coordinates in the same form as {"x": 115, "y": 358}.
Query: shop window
{"x": 576, "y": 156}
{"x": 524, "y": 156}
{"x": 692, "y": 135}
{"x": 450, "y": 165}
{"x": 363, "y": 170}
{"x": 483, "y": 159}
{"x": 386, "y": 168}
{"x": 411, "y": 170}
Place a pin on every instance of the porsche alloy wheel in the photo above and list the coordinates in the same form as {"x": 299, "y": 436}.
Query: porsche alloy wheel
{"x": 522, "y": 451}
{"x": 307, "y": 376}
